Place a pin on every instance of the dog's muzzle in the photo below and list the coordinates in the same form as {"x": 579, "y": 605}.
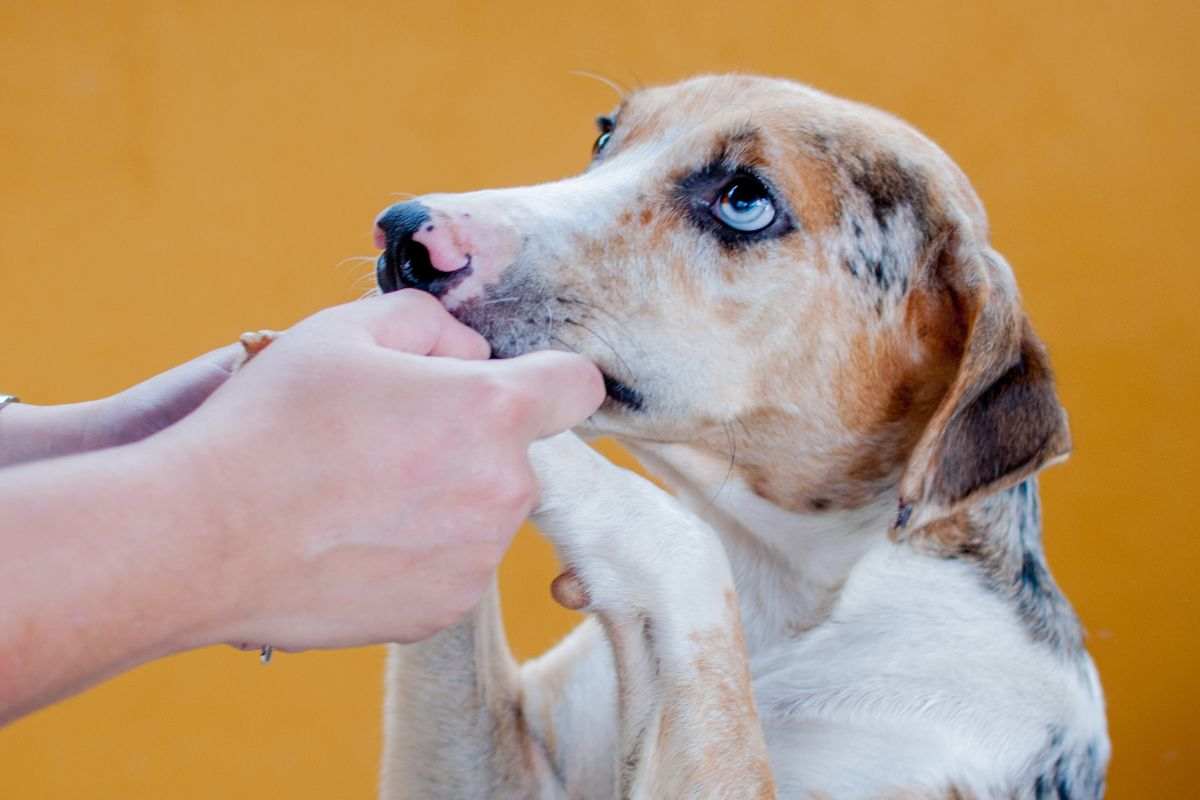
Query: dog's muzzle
{"x": 404, "y": 262}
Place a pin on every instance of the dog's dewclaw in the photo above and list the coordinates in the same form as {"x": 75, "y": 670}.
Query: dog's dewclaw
{"x": 569, "y": 592}
{"x": 254, "y": 342}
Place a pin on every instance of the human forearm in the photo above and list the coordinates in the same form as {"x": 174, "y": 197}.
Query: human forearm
{"x": 104, "y": 568}
{"x": 355, "y": 484}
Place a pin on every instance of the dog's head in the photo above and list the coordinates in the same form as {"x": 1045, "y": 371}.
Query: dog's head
{"x": 762, "y": 268}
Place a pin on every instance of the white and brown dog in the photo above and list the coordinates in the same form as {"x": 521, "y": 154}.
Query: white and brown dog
{"x": 806, "y": 335}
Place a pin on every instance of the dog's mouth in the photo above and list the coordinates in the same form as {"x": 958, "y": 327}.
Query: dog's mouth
{"x": 504, "y": 332}
{"x": 622, "y": 394}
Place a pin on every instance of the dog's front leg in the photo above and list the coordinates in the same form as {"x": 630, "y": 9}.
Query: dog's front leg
{"x": 454, "y": 725}
{"x": 660, "y": 582}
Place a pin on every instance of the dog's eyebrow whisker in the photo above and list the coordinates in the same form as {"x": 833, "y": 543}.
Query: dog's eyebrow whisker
{"x": 621, "y": 91}
{"x": 638, "y": 83}
{"x": 403, "y": 195}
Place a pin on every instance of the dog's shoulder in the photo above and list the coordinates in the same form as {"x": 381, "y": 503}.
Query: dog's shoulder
{"x": 999, "y": 541}
{"x": 956, "y": 656}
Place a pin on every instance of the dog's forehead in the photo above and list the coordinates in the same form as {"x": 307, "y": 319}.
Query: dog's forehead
{"x": 705, "y": 96}
{"x": 790, "y": 119}
{"x": 784, "y": 109}
{"x": 715, "y": 105}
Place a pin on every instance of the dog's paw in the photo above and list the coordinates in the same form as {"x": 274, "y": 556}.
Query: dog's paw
{"x": 565, "y": 467}
{"x": 625, "y": 543}
{"x": 253, "y": 343}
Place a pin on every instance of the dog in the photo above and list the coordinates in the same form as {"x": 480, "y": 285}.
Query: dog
{"x": 806, "y": 335}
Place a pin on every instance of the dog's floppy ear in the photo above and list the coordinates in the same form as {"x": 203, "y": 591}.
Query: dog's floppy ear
{"x": 1000, "y": 421}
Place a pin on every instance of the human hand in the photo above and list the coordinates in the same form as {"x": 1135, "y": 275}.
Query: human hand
{"x": 31, "y": 432}
{"x": 354, "y": 489}
{"x": 160, "y": 401}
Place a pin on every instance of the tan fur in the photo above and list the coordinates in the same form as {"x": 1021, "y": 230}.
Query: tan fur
{"x": 716, "y": 707}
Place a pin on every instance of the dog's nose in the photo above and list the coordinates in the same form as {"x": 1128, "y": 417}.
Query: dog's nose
{"x": 405, "y": 262}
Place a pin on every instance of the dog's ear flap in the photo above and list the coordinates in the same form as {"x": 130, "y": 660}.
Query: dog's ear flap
{"x": 1000, "y": 421}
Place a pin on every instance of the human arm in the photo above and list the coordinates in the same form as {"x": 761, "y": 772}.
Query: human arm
{"x": 340, "y": 490}
{"x": 31, "y": 432}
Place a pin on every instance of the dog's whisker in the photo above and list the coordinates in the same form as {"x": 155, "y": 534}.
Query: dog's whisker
{"x": 370, "y": 276}
{"x": 624, "y": 364}
{"x": 565, "y": 346}
{"x": 591, "y": 307}
{"x": 356, "y": 260}
{"x": 732, "y": 438}
{"x": 491, "y": 301}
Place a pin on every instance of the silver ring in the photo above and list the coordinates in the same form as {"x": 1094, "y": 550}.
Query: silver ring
{"x": 264, "y": 653}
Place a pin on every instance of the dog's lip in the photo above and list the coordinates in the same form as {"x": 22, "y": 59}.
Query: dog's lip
{"x": 622, "y": 394}
{"x": 386, "y": 278}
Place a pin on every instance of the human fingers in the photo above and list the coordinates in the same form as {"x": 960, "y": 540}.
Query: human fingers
{"x": 554, "y": 390}
{"x": 409, "y": 321}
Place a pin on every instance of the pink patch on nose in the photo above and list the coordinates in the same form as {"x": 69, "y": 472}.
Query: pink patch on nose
{"x": 445, "y": 252}
{"x": 379, "y": 237}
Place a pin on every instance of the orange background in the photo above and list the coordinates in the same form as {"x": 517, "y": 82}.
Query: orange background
{"x": 176, "y": 173}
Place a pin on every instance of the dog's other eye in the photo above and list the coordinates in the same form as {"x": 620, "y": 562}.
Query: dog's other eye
{"x": 745, "y": 205}
{"x": 606, "y": 125}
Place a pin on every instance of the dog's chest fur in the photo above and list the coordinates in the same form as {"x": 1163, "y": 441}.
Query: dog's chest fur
{"x": 950, "y": 662}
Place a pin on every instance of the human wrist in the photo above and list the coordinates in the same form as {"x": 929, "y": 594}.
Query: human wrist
{"x": 202, "y": 538}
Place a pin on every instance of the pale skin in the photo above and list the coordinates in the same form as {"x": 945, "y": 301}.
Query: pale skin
{"x": 356, "y": 483}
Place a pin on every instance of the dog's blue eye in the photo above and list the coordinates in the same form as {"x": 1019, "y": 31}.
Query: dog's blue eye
{"x": 745, "y": 205}
{"x": 601, "y": 142}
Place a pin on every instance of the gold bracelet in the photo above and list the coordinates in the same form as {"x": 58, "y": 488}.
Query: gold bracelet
{"x": 5, "y": 399}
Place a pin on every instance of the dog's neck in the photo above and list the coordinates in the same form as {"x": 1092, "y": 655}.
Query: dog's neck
{"x": 789, "y": 567}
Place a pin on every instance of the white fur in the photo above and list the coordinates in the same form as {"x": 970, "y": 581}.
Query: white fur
{"x": 961, "y": 659}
